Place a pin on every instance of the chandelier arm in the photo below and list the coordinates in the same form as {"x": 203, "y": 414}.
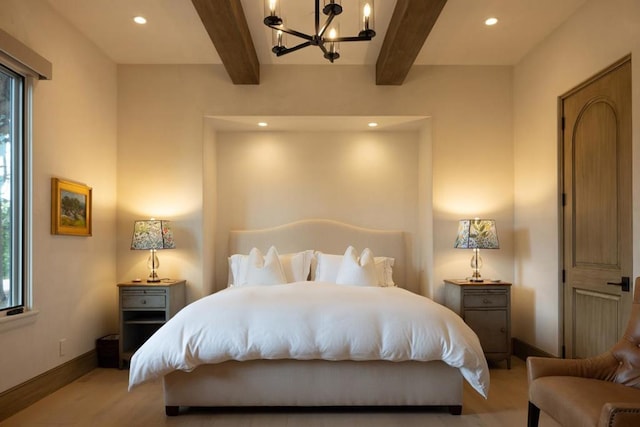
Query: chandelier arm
{"x": 317, "y": 17}
{"x": 352, "y": 39}
{"x": 290, "y": 31}
{"x": 324, "y": 49}
{"x": 293, "y": 49}
{"x": 322, "y": 30}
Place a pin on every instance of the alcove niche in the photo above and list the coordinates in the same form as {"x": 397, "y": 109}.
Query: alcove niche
{"x": 329, "y": 167}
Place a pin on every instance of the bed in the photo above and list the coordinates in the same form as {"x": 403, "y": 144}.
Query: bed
{"x": 266, "y": 364}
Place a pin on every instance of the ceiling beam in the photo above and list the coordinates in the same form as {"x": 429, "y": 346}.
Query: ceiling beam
{"x": 227, "y": 26}
{"x": 410, "y": 25}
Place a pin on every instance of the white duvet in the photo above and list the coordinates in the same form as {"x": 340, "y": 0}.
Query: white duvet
{"x": 311, "y": 320}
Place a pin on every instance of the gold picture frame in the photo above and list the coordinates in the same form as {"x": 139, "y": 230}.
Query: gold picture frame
{"x": 70, "y": 208}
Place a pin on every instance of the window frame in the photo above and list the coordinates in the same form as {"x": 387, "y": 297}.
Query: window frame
{"x": 21, "y": 216}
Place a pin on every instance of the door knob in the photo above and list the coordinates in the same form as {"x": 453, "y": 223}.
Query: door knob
{"x": 624, "y": 284}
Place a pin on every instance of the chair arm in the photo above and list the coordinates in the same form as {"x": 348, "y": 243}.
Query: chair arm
{"x": 617, "y": 414}
{"x": 601, "y": 367}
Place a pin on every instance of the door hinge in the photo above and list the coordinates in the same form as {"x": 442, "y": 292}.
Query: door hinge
{"x": 564, "y": 352}
{"x": 562, "y": 123}
{"x": 564, "y": 199}
{"x": 564, "y": 275}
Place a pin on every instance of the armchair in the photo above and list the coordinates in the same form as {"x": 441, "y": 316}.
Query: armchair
{"x": 598, "y": 391}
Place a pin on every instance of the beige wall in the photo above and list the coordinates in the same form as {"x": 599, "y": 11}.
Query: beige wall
{"x": 271, "y": 178}
{"x": 163, "y": 169}
{"x": 600, "y": 33}
{"x": 74, "y": 137}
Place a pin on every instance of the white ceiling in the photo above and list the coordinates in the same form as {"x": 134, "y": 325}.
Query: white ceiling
{"x": 174, "y": 33}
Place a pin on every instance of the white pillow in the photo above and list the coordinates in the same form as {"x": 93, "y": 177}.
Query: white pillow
{"x": 238, "y": 268}
{"x": 384, "y": 270}
{"x": 324, "y": 268}
{"x": 264, "y": 270}
{"x": 357, "y": 271}
{"x": 296, "y": 266}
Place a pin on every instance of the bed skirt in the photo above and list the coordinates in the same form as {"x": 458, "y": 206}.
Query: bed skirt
{"x": 314, "y": 383}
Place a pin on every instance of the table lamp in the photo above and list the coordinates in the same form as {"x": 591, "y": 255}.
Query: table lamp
{"x": 477, "y": 234}
{"x": 152, "y": 235}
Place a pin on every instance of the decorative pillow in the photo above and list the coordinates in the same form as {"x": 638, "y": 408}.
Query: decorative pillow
{"x": 264, "y": 270}
{"x": 357, "y": 271}
{"x": 384, "y": 270}
{"x": 296, "y": 267}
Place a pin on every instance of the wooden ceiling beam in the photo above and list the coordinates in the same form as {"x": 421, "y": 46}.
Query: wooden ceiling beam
{"x": 227, "y": 26}
{"x": 410, "y": 25}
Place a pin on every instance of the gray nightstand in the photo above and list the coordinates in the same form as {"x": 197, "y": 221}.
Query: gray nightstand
{"x": 144, "y": 308}
{"x": 486, "y": 308}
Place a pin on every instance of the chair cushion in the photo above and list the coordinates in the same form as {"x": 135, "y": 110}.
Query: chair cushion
{"x": 576, "y": 401}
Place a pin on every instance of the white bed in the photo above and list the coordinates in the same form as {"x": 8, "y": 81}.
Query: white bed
{"x": 268, "y": 377}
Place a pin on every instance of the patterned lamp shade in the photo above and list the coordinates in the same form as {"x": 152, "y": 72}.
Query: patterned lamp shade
{"x": 477, "y": 234}
{"x": 152, "y": 234}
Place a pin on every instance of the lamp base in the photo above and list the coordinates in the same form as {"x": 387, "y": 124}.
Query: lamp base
{"x": 476, "y": 264}
{"x": 153, "y": 277}
{"x": 153, "y": 263}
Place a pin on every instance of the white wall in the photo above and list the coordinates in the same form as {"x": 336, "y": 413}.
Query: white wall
{"x": 600, "y": 33}
{"x": 74, "y": 138}
{"x": 162, "y": 141}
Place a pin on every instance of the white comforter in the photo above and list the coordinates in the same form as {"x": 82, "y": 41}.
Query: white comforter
{"x": 311, "y": 320}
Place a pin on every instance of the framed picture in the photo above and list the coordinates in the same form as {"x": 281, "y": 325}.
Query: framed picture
{"x": 70, "y": 208}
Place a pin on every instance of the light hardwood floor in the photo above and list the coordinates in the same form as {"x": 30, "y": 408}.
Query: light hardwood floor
{"x": 100, "y": 398}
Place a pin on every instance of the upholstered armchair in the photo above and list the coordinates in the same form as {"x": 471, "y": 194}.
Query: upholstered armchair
{"x": 599, "y": 391}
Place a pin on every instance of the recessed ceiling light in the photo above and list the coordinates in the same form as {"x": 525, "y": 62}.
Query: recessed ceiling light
{"x": 263, "y": 124}
{"x": 140, "y": 20}
{"x": 372, "y": 124}
{"x": 491, "y": 21}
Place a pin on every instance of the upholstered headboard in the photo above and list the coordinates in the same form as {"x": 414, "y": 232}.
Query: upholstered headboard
{"x": 331, "y": 237}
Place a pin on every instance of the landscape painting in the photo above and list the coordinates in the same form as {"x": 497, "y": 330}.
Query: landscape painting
{"x": 70, "y": 208}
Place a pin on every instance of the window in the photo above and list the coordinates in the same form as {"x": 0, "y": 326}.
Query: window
{"x": 19, "y": 67}
{"x": 12, "y": 194}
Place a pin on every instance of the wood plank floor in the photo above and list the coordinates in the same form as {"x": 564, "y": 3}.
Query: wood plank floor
{"x": 100, "y": 398}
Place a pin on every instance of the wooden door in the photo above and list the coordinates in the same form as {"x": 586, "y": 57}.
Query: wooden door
{"x": 597, "y": 211}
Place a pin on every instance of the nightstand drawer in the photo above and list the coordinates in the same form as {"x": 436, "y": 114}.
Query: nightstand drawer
{"x": 482, "y": 299}
{"x": 143, "y": 301}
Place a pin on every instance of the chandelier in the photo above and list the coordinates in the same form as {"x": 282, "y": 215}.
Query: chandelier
{"x": 326, "y": 37}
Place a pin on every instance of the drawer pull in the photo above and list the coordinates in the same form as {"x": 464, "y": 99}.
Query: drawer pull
{"x": 503, "y": 330}
{"x": 143, "y": 302}
{"x": 486, "y": 301}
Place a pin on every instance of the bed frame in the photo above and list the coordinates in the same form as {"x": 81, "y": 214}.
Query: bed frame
{"x": 318, "y": 383}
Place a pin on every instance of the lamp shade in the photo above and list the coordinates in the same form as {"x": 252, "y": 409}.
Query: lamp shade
{"x": 477, "y": 234}
{"x": 152, "y": 234}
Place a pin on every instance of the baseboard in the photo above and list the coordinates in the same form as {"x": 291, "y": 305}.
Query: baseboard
{"x": 19, "y": 397}
{"x": 523, "y": 350}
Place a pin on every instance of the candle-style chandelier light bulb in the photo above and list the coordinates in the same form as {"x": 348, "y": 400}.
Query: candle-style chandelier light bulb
{"x": 366, "y": 8}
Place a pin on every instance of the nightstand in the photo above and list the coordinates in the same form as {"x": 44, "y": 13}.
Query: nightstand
{"x": 486, "y": 308}
{"x": 144, "y": 308}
